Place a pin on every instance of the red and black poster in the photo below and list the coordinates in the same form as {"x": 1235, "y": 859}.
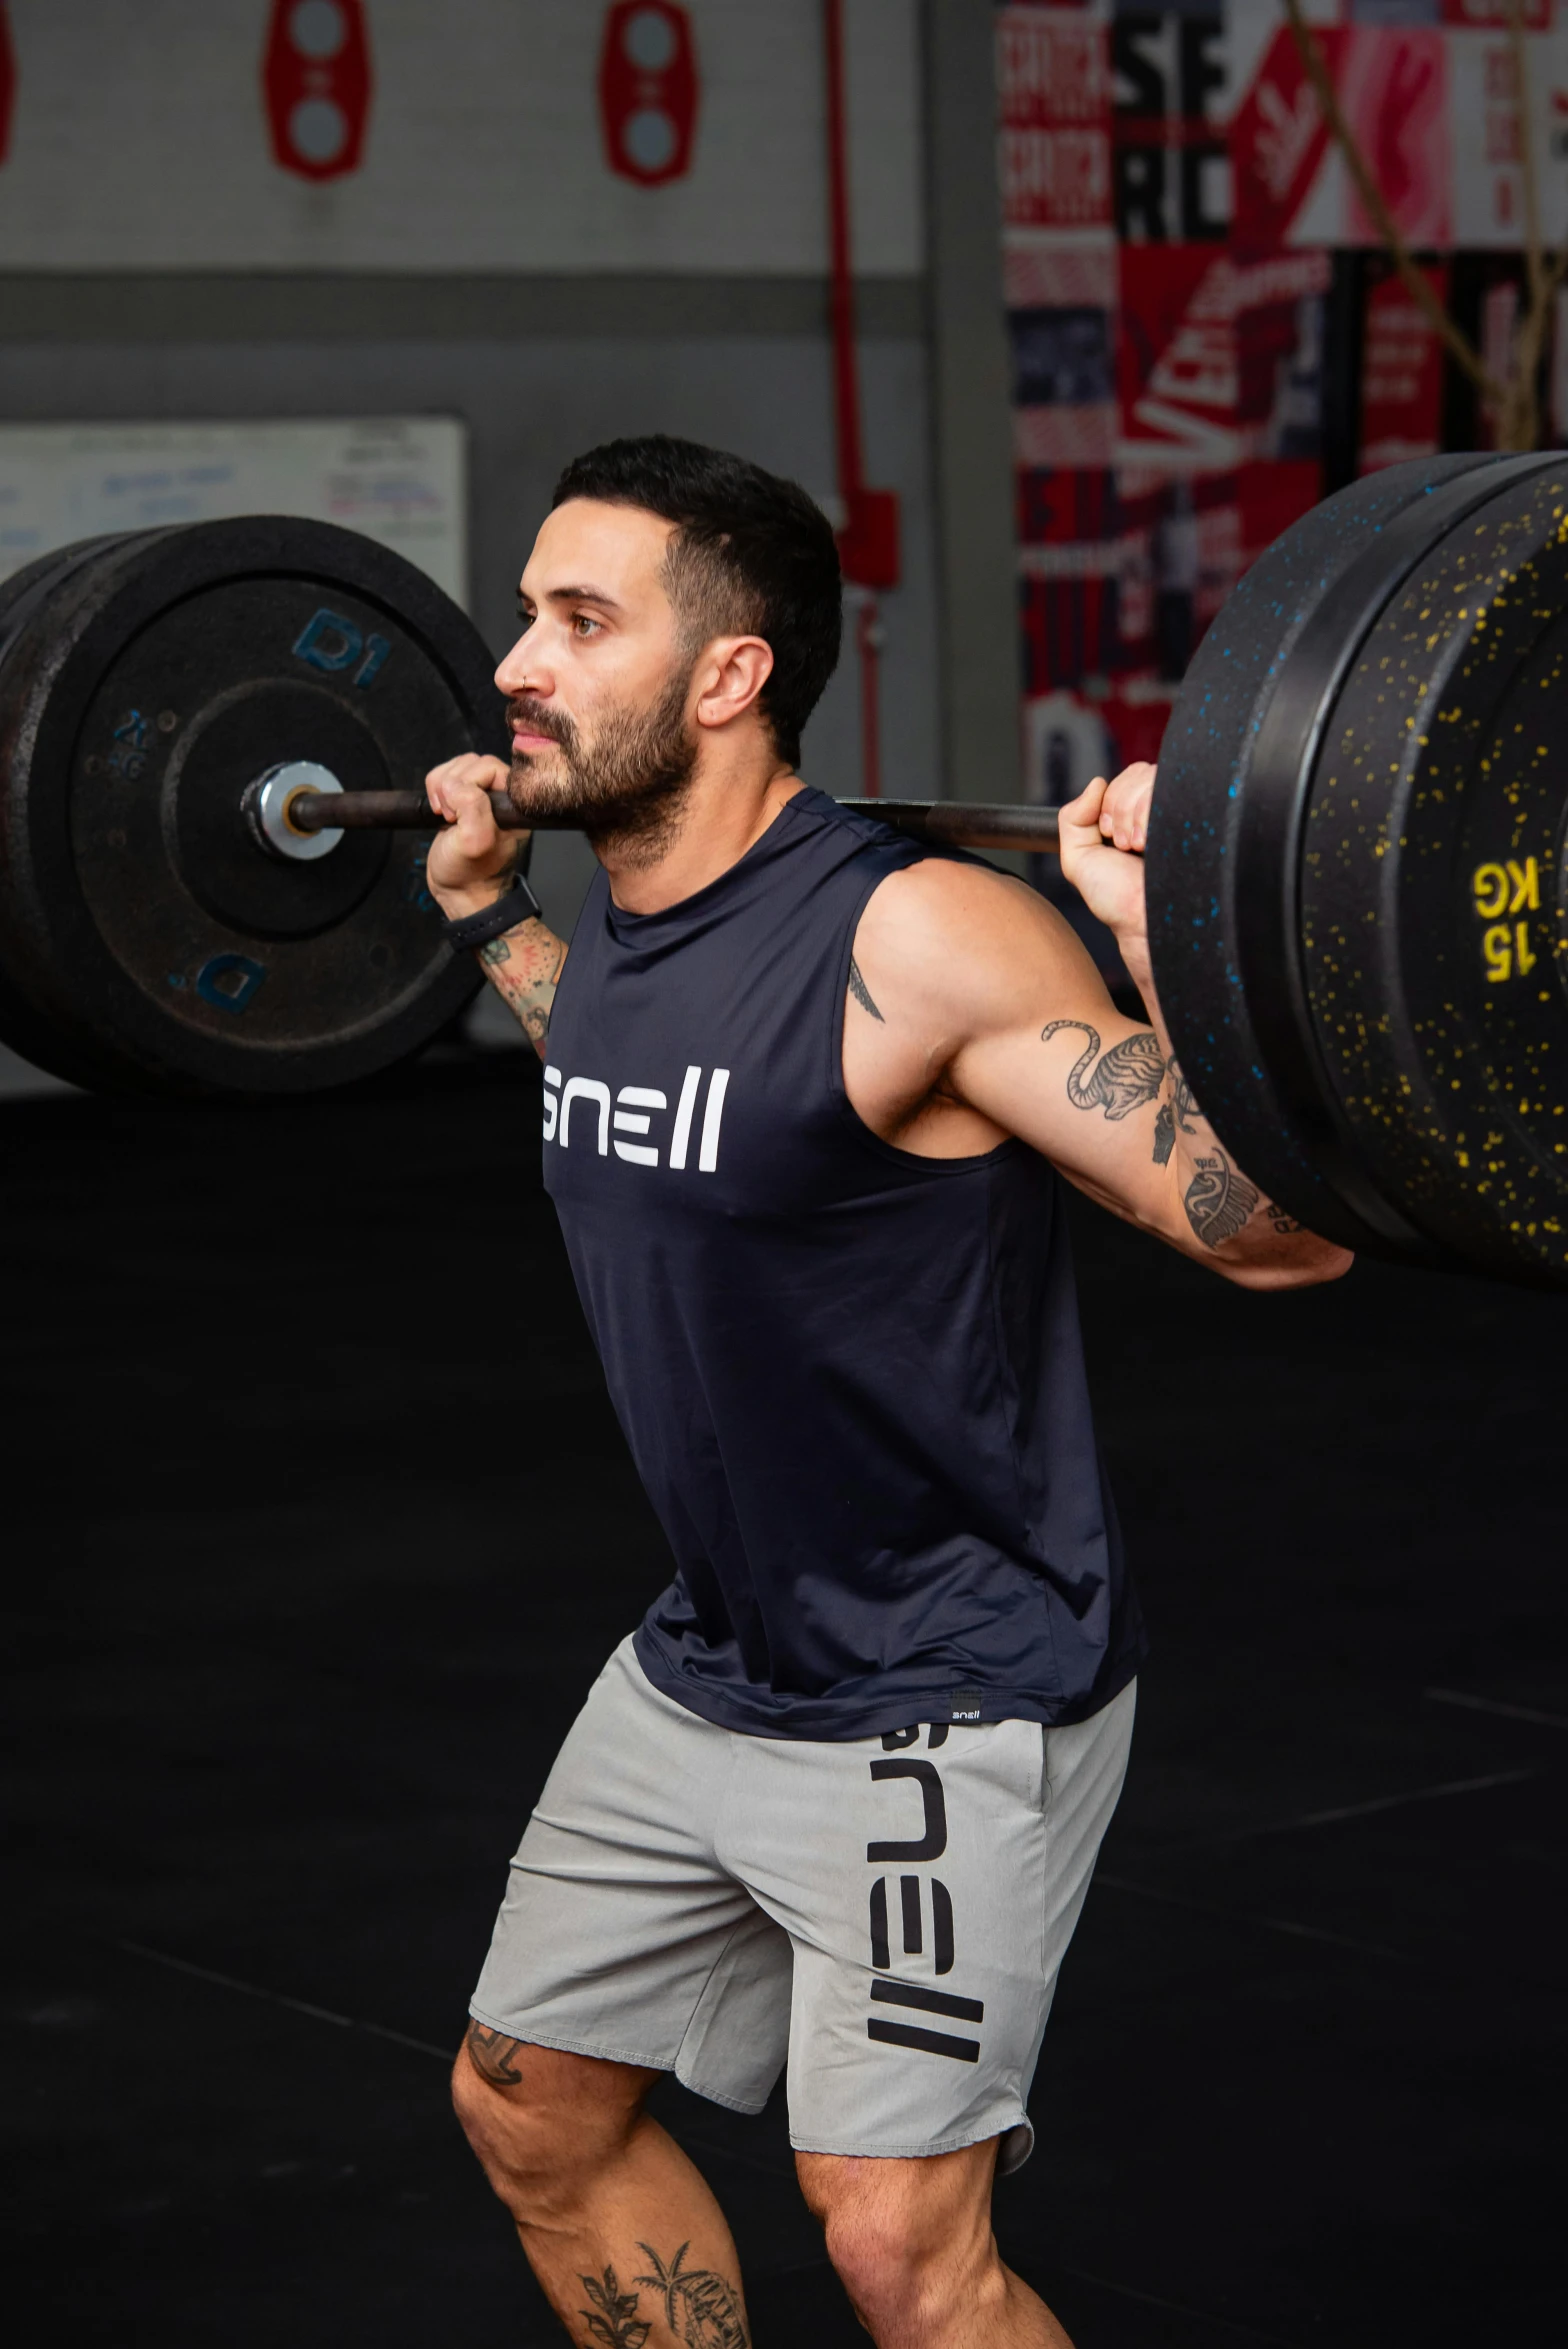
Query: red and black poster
{"x": 1171, "y": 162}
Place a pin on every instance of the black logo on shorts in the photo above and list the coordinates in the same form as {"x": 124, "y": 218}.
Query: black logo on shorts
{"x": 917, "y": 1895}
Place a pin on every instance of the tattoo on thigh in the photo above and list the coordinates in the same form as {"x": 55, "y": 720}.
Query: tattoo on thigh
{"x": 1131, "y": 1073}
{"x": 490, "y": 2053}
{"x": 1219, "y": 1200}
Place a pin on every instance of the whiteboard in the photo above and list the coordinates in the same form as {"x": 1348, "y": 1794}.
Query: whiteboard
{"x": 400, "y": 480}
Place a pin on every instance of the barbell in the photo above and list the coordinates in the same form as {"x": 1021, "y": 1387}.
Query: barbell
{"x": 211, "y": 883}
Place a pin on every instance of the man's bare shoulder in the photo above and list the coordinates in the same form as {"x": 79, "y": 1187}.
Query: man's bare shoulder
{"x": 976, "y": 945}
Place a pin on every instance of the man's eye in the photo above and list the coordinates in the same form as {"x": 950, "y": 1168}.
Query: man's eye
{"x": 524, "y": 616}
{"x": 583, "y": 625}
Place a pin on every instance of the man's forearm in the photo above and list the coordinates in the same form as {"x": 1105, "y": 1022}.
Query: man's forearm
{"x": 1250, "y": 1237}
{"x": 524, "y": 968}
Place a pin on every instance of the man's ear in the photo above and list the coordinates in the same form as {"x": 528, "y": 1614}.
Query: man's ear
{"x": 730, "y": 676}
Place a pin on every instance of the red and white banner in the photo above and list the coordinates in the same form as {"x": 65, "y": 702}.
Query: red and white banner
{"x": 1061, "y": 316}
{"x": 1487, "y": 137}
{"x": 316, "y": 81}
{"x": 1290, "y": 182}
{"x": 1401, "y": 372}
{"x": 1435, "y": 112}
{"x": 1122, "y": 569}
{"x": 648, "y": 91}
{"x": 1536, "y": 14}
{"x": 1055, "y": 114}
{"x": 1219, "y": 357}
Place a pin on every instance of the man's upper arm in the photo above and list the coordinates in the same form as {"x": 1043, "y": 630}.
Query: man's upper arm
{"x": 1023, "y": 1029}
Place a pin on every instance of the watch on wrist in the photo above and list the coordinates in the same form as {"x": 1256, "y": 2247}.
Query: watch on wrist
{"x": 514, "y": 905}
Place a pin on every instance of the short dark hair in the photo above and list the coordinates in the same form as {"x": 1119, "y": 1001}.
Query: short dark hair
{"x": 753, "y": 556}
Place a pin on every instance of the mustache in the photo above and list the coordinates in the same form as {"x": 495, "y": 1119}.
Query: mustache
{"x": 524, "y": 713}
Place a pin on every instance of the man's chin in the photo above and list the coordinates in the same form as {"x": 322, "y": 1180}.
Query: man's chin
{"x": 537, "y": 786}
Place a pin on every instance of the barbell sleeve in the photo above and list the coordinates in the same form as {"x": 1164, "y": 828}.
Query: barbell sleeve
{"x": 946, "y": 823}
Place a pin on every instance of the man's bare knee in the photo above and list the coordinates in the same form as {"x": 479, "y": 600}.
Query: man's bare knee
{"x": 911, "y": 2241}
{"x": 542, "y": 2122}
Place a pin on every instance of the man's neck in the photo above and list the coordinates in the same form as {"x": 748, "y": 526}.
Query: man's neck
{"x": 724, "y": 813}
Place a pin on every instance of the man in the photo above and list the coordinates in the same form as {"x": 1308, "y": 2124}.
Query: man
{"x": 808, "y": 1088}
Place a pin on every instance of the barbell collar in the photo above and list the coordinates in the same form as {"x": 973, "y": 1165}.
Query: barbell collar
{"x": 944, "y": 823}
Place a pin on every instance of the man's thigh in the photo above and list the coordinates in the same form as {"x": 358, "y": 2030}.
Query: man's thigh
{"x": 930, "y": 1882}
{"x": 622, "y": 1936}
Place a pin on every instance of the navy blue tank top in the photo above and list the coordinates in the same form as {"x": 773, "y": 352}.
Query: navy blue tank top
{"x": 851, "y": 1378}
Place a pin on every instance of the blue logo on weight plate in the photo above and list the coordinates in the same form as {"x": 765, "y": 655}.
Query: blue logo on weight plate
{"x": 328, "y": 641}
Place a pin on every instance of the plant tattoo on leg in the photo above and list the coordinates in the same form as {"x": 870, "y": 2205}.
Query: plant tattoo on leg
{"x": 613, "y": 2320}
{"x": 700, "y": 2307}
{"x": 703, "y": 2310}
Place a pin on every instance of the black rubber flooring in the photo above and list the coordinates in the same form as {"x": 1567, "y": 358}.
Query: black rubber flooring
{"x": 283, "y": 1703}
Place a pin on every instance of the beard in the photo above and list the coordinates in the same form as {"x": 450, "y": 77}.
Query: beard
{"x": 628, "y": 789}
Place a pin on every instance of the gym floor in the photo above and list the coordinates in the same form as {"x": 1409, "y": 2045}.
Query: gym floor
{"x": 286, "y": 1701}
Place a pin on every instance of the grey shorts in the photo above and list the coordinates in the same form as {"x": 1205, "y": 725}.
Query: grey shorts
{"x": 887, "y": 1914}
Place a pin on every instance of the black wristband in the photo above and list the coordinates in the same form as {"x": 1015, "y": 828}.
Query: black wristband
{"x": 514, "y": 905}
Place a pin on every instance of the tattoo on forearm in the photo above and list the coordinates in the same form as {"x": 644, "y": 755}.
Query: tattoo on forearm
{"x": 701, "y": 2307}
{"x": 861, "y": 992}
{"x": 613, "y": 2320}
{"x": 1131, "y": 1073}
{"x": 1282, "y": 1219}
{"x": 1173, "y": 1114}
{"x": 528, "y": 986}
{"x": 1219, "y": 1200}
{"x": 491, "y": 2053}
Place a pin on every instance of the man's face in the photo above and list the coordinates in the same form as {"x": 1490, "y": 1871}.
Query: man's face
{"x": 597, "y": 683}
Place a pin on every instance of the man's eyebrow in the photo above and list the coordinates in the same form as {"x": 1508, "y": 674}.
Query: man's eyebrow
{"x": 581, "y": 595}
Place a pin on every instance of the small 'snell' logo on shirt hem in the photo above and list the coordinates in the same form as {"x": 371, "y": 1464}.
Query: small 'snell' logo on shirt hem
{"x": 633, "y": 1112}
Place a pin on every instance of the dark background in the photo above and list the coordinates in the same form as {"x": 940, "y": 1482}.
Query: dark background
{"x": 284, "y": 1702}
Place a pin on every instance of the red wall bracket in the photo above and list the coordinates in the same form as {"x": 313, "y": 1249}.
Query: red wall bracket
{"x": 648, "y": 91}
{"x": 316, "y": 80}
{"x": 7, "y": 82}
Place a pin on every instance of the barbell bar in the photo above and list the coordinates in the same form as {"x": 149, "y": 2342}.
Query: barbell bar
{"x": 1355, "y": 866}
{"x": 310, "y": 812}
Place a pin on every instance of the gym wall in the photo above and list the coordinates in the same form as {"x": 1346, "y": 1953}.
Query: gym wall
{"x": 1206, "y": 337}
{"x": 163, "y": 256}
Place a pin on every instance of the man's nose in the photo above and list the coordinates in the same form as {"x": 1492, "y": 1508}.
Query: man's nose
{"x": 521, "y": 671}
